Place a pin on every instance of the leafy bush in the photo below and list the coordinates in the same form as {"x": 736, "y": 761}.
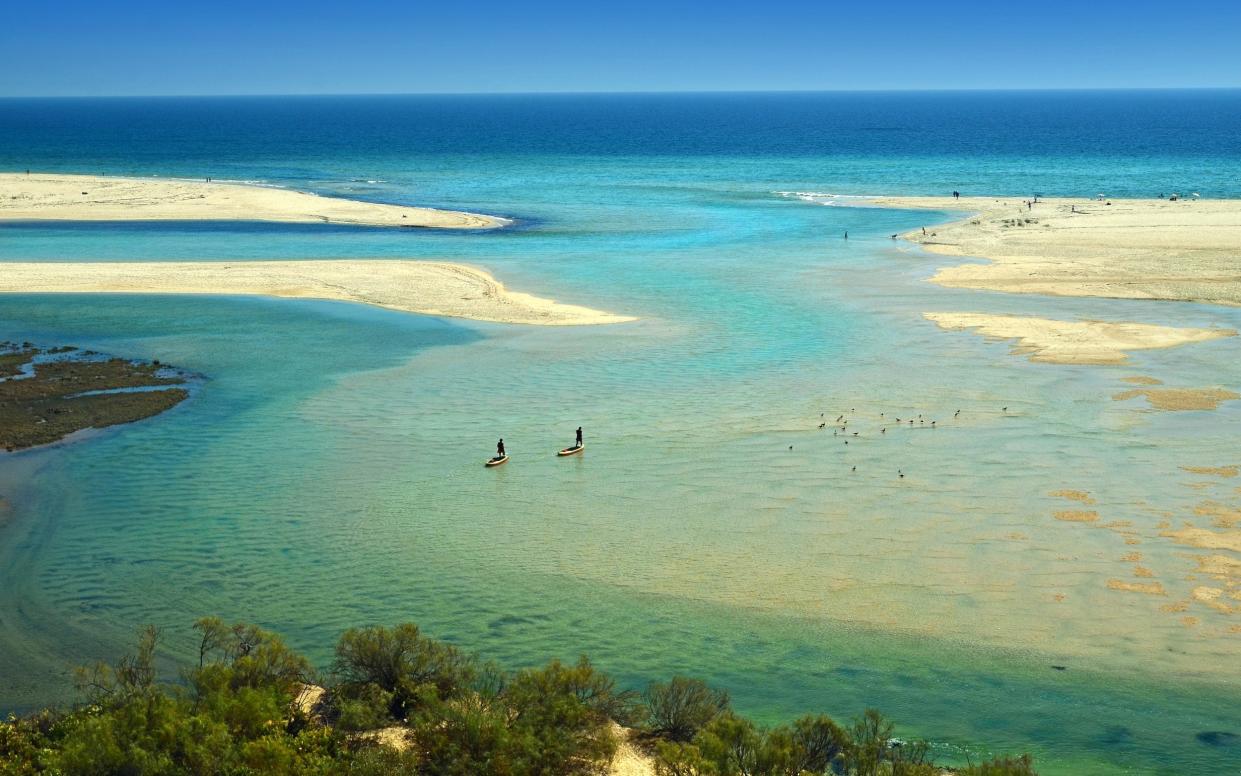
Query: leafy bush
{"x": 24, "y": 743}
{"x": 401, "y": 662}
{"x": 553, "y": 721}
{"x": 366, "y": 708}
{"x": 467, "y": 739}
{"x": 678, "y": 709}
{"x": 375, "y": 761}
{"x": 819, "y": 743}
{"x": 673, "y": 758}
{"x": 734, "y": 745}
{"x": 247, "y": 656}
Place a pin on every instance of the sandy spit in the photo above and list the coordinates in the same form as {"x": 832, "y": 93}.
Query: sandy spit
{"x": 429, "y": 288}
{"x": 1075, "y": 342}
{"x": 1133, "y": 248}
{"x": 43, "y": 196}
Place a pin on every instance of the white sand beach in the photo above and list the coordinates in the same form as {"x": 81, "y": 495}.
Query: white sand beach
{"x": 429, "y": 288}
{"x": 1187, "y": 250}
{"x": 1075, "y": 342}
{"x": 48, "y": 197}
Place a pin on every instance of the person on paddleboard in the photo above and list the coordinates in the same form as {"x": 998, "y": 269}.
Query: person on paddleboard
{"x": 500, "y": 449}
{"x": 579, "y": 437}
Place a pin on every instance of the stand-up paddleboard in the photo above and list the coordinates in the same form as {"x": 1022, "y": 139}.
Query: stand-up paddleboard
{"x": 572, "y": 450}
{"x": 499, "y": 459}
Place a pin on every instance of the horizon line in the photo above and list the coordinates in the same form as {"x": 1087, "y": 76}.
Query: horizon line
{"x": 634, "y": 92}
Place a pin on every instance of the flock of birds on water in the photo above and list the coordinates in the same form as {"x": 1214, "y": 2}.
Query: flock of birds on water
{"x": 919, "y": 422}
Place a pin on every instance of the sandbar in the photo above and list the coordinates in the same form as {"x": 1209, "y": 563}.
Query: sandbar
{"x": 1219, "y": 566}
{"x": 1184, "y": 250}
{"x": 1222, "y": 515}
{"x": 1073, "y": 495}
{"x": 1075, "y": 342}
{"x": 1076, "y": 516}
{"x": 1151, "y": 588}
{"x": 1218, "y": 471}
{"x": 426, "y": 287}
{"x": 48, "y": 197}
{"x": 1190, "y": 536}
{"x": 1180, "y": 399}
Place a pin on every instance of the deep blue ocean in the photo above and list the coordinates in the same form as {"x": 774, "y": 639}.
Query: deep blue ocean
{"x": 328, "y": 471}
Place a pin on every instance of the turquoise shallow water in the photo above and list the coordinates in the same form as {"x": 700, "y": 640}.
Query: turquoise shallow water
{"x": 328, "y": 472}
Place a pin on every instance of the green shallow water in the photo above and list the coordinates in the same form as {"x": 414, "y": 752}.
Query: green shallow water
{"x": 328, "y": 472}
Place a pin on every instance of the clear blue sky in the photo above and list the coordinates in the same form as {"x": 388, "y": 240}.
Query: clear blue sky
{"x": 156, "y": 47}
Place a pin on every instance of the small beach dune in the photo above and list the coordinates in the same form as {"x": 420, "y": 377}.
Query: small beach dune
{"x": 1075, "y": 342}
{"x": 1187, "y": 250}
{"x": 47, "y": 197}
{"x": 429, "y": 288}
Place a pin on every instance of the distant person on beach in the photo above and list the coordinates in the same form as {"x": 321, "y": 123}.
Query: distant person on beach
{"x": 846, "y": 234}
{"x": 956, "y": 195}
{"x": 579, "y": 437}
{"x": 500, "y": 449}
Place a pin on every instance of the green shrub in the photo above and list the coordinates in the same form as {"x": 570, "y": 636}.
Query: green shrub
{"x": 376, "y": 761}
{"x": 467, "y": 739}
{"x": 561, "y": 714}
{"x": 673, "y": 758}
{"x": 874, "y": 752}
{"x": 367, "y": 708}
{"x": 24, "y": 742}
{"x": 819, "y": 743}
{"x": 401, "y": 662}
{"x": 678, "y": 709}
{"x": 552, "y": 721}
{"x": 734, "y": 745}
{"x": 246, "y": 656}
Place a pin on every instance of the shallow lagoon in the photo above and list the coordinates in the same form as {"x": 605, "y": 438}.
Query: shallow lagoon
{"x": 329, "y": 473}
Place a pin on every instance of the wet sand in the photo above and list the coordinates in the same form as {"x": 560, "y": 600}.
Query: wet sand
{"x": 47, "y": 197}
{"x": 429, "y": 288}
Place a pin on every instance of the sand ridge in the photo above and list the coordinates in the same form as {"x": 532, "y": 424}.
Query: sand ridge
{"x": 426, "y": 287}
{"x": 44, "y": 196}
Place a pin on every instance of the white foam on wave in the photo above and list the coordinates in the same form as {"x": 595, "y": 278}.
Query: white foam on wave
{"x": 241, "y": 181}
{"x": 825, "y": 198}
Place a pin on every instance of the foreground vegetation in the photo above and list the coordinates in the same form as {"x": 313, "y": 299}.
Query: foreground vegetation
{"x": 397, "y": 702}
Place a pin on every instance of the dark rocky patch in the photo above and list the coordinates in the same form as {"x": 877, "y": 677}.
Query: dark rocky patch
{"x": 50, "y": 405}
